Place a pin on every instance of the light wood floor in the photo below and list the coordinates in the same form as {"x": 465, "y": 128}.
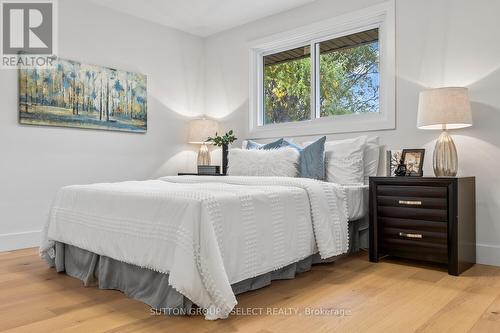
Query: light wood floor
{"x": 391, "y": 296}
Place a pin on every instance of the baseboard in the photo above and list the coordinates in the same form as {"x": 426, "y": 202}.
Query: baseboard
{"x": 19, "y": 240}
{"x": 488, "y": 254}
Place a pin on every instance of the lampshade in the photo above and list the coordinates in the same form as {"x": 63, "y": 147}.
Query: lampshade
{"x": 444, "y": 106}
{"x": 201, "y": 129}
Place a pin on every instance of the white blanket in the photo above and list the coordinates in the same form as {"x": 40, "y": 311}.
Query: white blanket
{"x": 205, "y": 232}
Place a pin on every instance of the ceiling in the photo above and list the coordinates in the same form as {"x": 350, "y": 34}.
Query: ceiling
{"x": 201, "y": 17}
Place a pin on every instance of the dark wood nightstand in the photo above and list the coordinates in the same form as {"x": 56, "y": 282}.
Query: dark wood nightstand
{"x": 425, "y": 218}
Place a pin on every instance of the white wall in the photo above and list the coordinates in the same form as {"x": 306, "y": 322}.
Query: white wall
{"x": 438, "y": 43}
{"x": 36, "y": 161}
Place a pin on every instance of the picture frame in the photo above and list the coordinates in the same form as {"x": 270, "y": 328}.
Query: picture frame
{"x": 85, "y": 96}
{"x": 414, "y": 161}
{"x": 392, "y": 160}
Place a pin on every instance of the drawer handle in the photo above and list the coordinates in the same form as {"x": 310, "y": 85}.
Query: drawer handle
{"x": 404, "y": 234}
{"x": 410, "y": 202}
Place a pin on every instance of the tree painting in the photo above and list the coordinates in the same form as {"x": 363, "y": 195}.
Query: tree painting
{"x": 71, "y": 94}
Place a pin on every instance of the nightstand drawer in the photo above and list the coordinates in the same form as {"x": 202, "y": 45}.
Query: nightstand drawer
{"x": 438, "y": 215}
{"x": 423, "y": 225}
{"x": 413, "y": 202}
{"x": 414, "y": 240}
{"x": 412, "y": 191}
{"x": 416, "y": 249}
{"x": 421, "y": 236}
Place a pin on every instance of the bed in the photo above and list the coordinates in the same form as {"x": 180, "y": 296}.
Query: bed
{"x": 184, "y": 243}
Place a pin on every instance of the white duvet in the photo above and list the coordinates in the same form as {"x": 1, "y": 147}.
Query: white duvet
{"x": 205, "y": 232}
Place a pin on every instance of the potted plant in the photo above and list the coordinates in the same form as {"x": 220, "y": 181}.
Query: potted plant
{"x": 223, "y": 141}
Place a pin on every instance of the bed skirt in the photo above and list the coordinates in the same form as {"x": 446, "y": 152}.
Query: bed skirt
{"x": 152, "y": 287}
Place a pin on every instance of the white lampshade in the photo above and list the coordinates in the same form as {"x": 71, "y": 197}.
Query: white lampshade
{"x": 444, "y": 108}
{"x": 201, "y": 129}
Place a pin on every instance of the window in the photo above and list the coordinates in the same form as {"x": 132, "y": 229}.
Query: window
{"x": 331, "y": 77}
{"x": 287, "y": 86}
{"x": 349, "y": 76}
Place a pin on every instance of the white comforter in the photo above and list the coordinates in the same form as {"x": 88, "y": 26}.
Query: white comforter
{"x": 205, "y": 232}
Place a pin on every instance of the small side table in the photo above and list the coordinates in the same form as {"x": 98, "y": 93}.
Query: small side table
{"x": 425, "y": 218}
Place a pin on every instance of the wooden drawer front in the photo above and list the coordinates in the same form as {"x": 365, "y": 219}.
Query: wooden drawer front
{"x": 415, "y": 239}
{"x": 422, "y": 225}
{"x": 415, "y": 249}
{"x": 412, "y": 202}
{"x": 438, "y": 215}
{"x": 421, "y": 236}
{"x": 412, "y": 191}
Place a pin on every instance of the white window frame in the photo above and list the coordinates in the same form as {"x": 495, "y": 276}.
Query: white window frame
{"x": 381, "y": 16}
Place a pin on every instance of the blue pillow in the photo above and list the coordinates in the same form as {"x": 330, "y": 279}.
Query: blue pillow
{"x": 272, "y": 145}
{"x": 312, "y": 159}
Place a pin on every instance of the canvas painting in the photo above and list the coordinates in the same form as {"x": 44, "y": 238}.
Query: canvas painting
{"x": 72, "y": 94}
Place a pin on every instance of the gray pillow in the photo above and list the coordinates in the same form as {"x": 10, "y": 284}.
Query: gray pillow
{"x": 272, "y": 145}
{"x": 312, "y": 159}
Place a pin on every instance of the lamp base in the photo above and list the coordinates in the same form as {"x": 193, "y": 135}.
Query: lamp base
{"x": 203, "y": 155}
{"x": 445, "y": 158}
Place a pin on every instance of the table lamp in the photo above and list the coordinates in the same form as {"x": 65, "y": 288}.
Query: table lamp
{"x": 199, "y": 131}
{"x": 444, "y": 108}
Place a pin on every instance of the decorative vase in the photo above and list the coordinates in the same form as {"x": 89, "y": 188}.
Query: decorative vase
{"x": 445, "y": 159}
{"x": 225, "y": 151}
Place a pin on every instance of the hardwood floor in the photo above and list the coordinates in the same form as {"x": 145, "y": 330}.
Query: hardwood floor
{"x": 391, "y": 296}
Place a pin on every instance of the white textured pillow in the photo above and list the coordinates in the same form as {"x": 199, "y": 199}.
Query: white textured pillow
{"x": 347, "y": 170}
{"x": 371, "y": 157}
{"x": 344, "y": 160}
{"x": 254, "y": 162}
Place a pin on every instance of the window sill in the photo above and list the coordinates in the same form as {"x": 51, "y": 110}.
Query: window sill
{"x": 323, "y": 126}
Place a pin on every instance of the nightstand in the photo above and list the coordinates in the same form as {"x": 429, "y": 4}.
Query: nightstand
{"x": 425, "y": 218}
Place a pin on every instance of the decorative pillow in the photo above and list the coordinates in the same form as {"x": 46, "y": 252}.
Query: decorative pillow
{"x": 259, "y": 162}
{"x": 312, "y": 158}
{"x": 371, "y": 158}
{"x": 344, "y": 170}
{"x": 344, "y": 160}
{"x": 272, "y": 145}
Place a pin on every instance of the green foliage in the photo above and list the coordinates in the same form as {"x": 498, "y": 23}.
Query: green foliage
{"x": 349, "y": 81}
{"x": 349, "y": 84}
{"x": 226, "y": 139}
{"x": 287, "y": 86}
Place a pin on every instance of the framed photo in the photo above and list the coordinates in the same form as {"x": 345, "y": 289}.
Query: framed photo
{"x": 392, "y": 161}
{"x": 414, "y": 161}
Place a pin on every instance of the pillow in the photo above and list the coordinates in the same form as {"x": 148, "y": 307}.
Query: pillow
{"x": 312, "y": 159}
{"x": 344, "y": 160}
{"x": 259, "y": 162}
{"x": 272, "y": 145}
{"x": 371, "y": 158}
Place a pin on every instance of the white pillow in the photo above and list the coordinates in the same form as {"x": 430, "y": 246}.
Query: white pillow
{"x": 344, "y": 160}
{"x": 371, "y": 157}
{"x": 349, "y": 167}
{"x": 254, "y": 162}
